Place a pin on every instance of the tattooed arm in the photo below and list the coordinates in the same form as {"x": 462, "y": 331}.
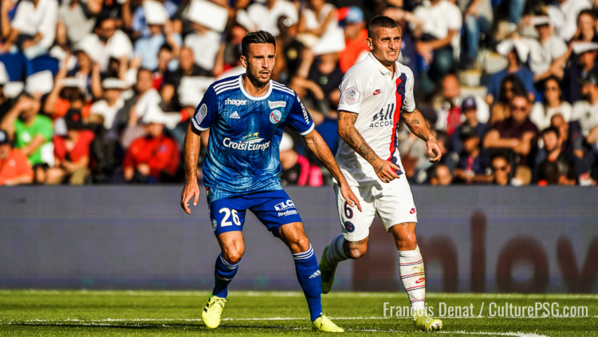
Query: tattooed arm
{"x": 385, "y": 170}
{"x": 191, "y": 189}
{"x": 417, "y": 124}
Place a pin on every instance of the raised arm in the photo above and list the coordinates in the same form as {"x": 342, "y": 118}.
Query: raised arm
{"x": 191, "y": 155}
{"x": 417, "y": 124}
{"x": 318, "y": 147}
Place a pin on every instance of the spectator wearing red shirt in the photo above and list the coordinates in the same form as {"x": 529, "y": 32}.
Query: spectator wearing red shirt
{"x": 154, "y": 157}
{"x": 355, "y": 36}
{"x": 71, "y": 152}
{"x": 14, "y": 165}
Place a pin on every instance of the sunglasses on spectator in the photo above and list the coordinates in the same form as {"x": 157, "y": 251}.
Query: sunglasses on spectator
{"x": 518, "y": 107}
{"x": 500, "y": 168}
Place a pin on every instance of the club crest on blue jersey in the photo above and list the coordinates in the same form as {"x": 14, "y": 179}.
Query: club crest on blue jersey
{"x": 275, "y": 116}
{"x": 202, "y": 112}
{"x": 214, "y": 224}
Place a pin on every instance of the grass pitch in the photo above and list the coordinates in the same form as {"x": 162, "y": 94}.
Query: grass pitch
{"x": 166, "y": 313}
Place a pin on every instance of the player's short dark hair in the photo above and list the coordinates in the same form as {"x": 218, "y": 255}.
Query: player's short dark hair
{"x": 261, "y": 36}
{"x": 551, "y": 129}
{"x": 380, "y": 21}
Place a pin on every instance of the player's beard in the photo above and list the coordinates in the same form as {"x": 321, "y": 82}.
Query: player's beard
{"x": 255, "y": 77}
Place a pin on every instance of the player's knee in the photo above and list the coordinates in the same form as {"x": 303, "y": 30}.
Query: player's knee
{"x": 355, "y": 252}
{"x": 300, "y": 244}
{"x": 408, "y": 242}
{"x": 233, "y": 256}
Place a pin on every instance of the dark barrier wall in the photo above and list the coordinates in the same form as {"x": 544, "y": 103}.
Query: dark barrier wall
{"x": 473, "y": 239}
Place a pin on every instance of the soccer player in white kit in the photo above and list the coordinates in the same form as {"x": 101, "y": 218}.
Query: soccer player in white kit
{"x": 375, "y": 93}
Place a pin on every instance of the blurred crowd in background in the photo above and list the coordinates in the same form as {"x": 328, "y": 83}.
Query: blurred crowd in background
{"x": 102, "y": 91}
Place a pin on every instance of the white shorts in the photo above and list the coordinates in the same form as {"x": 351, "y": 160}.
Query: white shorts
{"x": 392, "y": 202}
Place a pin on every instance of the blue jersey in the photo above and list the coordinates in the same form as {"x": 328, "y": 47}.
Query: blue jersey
{"x": 245, "y": 134}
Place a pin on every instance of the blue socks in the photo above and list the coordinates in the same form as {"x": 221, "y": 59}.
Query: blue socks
{"x": 224, "y": 273}
{"x": 308, "y": 274}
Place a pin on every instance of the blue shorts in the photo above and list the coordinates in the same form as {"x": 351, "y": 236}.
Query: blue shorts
{"x": 272, "y": 208}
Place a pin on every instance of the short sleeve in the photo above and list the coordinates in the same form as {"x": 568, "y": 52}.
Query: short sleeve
{"x": 299, "y": 119}
{"x": 409, "y": 101}
{"x": 206, "y": 111}
{"x": 46, "y": 129}
{"x": 352, "y": 91}
{"x": 559, "y": 48}
{"x": 20, "y": 20}
{"x": 493, "y": 86}
{"x": 454, "y": 20}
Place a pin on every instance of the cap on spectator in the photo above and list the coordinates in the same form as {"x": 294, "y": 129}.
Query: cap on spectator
{"x": 113, "y": 83}
{"x": 582, "y": 47}
{"x": 505, "y": 47}
{"x": 467, "y": 132}
{"x": 155, "y": 12}
{"x": 541, "y": 20}
{"x": 4, "y": 138}
{"x": 469, "y": 103}
{"x": 154, "y": 115}
{"x": 73, "y": 119}
{"x": 590, "y": 78}
{"x": 71, "y": 82}
{"x": 354, "y": 15}
{"x": 3, "y": 74}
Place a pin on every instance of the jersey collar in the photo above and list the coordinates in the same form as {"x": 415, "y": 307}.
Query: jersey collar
{"x": 266, "y": 95}
{"x": 383, "y": 70}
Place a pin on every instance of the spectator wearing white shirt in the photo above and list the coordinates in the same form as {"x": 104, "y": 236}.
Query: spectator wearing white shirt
{"x": 586, "y": 111}
{"x": 563, "y": 16}
{"x": 546, "y": 52}
{"x": 553, "y": 104}
{"x": 317, "y": 17}
{"x": 204, "y": 42}
{"x": 33, "y": 27}
{"x": 265, "y": 15}
{"x": 439, "y": 37}
{"x": 111, "y": 102}
{"x": 160, "y": 33}
{"x": 108, "y": 42}
{"x": 76, "y": 19}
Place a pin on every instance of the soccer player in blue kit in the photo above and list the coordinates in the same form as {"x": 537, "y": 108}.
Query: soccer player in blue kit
{"x": 246, "y": 115}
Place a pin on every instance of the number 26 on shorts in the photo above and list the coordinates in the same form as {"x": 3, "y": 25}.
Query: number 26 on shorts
{"x": 227, "y": 214}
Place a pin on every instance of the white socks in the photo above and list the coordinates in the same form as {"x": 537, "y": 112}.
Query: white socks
{"x": 411, "y": 267}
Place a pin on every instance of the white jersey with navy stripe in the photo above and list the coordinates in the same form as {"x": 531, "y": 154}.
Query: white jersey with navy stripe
{"x": 378, "y": 96}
